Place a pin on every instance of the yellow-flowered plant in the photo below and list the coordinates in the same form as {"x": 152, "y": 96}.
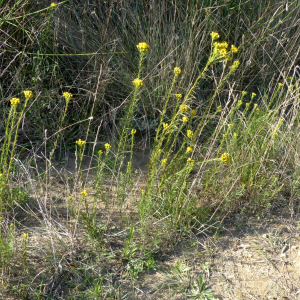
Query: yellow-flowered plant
{"x": 166, "y": 126}
{"x": 143, "y": 47}
{"x": 244, "y": 93}
{"x": 189, "y": 149}
{"x": 183, "y": 108}
{"x": 190, "y": 133}
{"x": 189, "y": 160}
{"x": 234, "y": 49}
{"x": 185, "y": 119}
{"x": 193, "y": 113}
{"x": 253, "y": 95}
{"x": 280, "y": 85}
{"x": 14, "y": 101}
{"x": 84, "y": 193}
{"x": 68, "y": 96}
{"x": 219, "y": 108}
{"x": 25, "y": 236}
{"x": 80, "y": 143}
{"x": 100, "y": 152}
{"x": 28, "y": 94}
{"x": 164, "y": 161}
{"x": 235, "y": 65}
{"x": 214, "y": 35}
{"x": 240, "y": 102}
{"x": 225, "y": 157}
{"x": 107, "y": 146}
{"x": 178, "y": 96}
{"x": 177, "y": 71}
{"x": 138, "y": 82}
{"x": 133, "y": 131}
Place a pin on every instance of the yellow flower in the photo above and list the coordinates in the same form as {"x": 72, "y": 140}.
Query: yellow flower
{"x": 244, "y": 93}
{"x": 247, "y": 104}
{"x": 14, "y": 101}
{"x": 70, "y": 199}
{"x": 183, "y": 108}
{"x": 230, "y": 125}
{"x": 280, "y": 85}
{"x": 275, "y": 134}
{"x": 0, "y": 218}
{"x": 159, "y": 151}
{"x": 280, "y": 121}
{"x": 225, "y": 157}
{"x": 190, "y": 133}
{"x": 235, "y": 65}
{"x": 143, "y": 47}
{"x": 28, "y": 94}
{"x": 80, "y": 143}
{"x": 253, "y": 95}
{"x": 178, "y": 96}
{"x": 25, "y": 236}
{"x": 53, "y": 4}
{"x": 219, "y": 108}
{"x": 234, "y": 49}
{"x": 143, "y": 192}
{"x": 166, "y": 126}
{"x": 67, "y": 96}
{"x": 84, "y": 193}
{"x": 240, "y": 102}
{"x": 214, "y": 35}
{"x": 164, "y": 161}
{"x": 185, "y": 119}
{"x": 100, "y": 152}
{"x": 107, "y": 146}
{"x": 255, "y": 105}
{"x": 177, "y": 71}
{"x": 138, "y": 82}
{"x": 133, "y": 131}
{"x": 189, "y": 160}
{"x": 224, "y": 135}
{"x": 235, "y": 135}
{"x": 189, "y": 149}
{"x": 193, "y": 113}
{"x": 258, "y": 110}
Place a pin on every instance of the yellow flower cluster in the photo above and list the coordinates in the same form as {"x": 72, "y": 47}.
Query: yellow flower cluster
{"x": 164, "y": 161}
{"x": 190, "y": 133}
{"x": 25, "y": 236}
{"x": 68, "y": 96}
{"x": 133, "y": 131}
{"x": 185, "y": 119}
{"x": 234, "y": 49}
{"x": 53, "y": 4}
{"x": 177, "y": 71}
{"x": 166, "y": 126}
{"x": 189, "y": 160}
{"x": 189, "y": 149}
{"x": 84, "y": 193}
{"x": 235, "y": 65}
{"x": 221, "y": 49}
{"x": 138, "y": 82}
{"x": 143, "y": 47}
{"x": 193, "y": 113}
{"x": 14, "y": 101}
{"x": 28, "y": 94}
{"x": 80, "y": 143}
{"x": 214, "y": 35}
{"x": 183, "y": 108}
{"x": 178, "y": 96}
{"x": 100, "y": 152}
{"x": 225, "y": 157}
{"x": 107, "y": 146}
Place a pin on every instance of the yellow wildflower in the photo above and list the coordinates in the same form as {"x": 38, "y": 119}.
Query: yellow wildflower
{"x": 183, "y": 108}
{"x": 80, "y": 143}
{"x": 189, "y": 160}
{"x": 100, "y": 152}
{"x": 219, "y": 108}
{"x": 275, "y": 134}
{"x": 253, "y": 95}
{"x": 190, "y": 133}
{"x": 244, "y": 93}
{"x": 230, "y": 125}
{"x": 177, "y": 71}
{"x": 178, "y": 96}
{"x": 214, "y": 35}
{"x": 70, "y": 199}
{"x": 235, "y": 65}
{"x": 107, "y": 146}
{"x": 67, "y": 96}
{"x": 164, "y": 161}
{"x": 138, "y": 82}
{"x": 133, "y": 131}
{"x": 224, "y": 135}
{"x": 258, "y": 110}
{"x": 189, "y": 149}
{"x": 159, "y": 151}
{"x": 25, "y": 236}
{"x": 0, "y": 219}
{"x": 247, "y": 104}
{"x": 28, "y": 94}
{"x": 193, "y": 113}
{"x": 240, "y": 102}
{"x": 235, "y": 135}
{"x": 53, "y": 4}
{"x": 185, "y": 119}
{"x": 143, "y": 192}
{"x": 280, "y": 85}
{"x": 166, "y": 126}
{"x": 84, "y": 193}
{"x": 14, "y": 101}
{"x": 225, "y": 157}
{"x": 280, "y": 121}
{"x": 234, "y": 49}
{"x": 143, "y": 47}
